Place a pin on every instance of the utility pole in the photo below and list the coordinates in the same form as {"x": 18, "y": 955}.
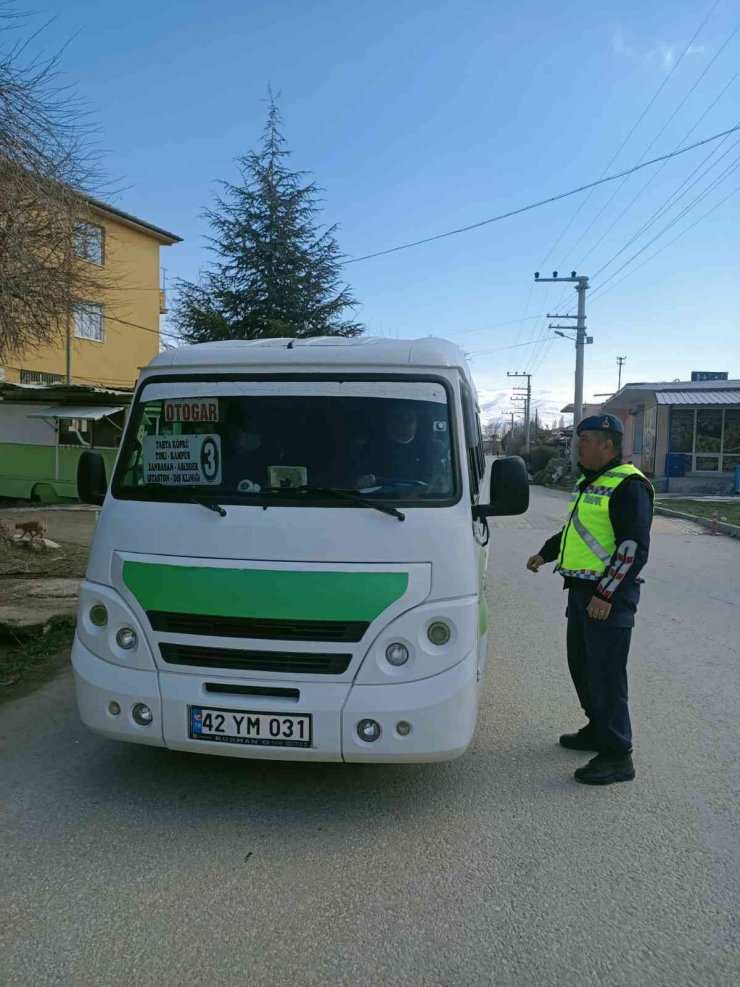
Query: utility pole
{"x": 511, "y": 433}
{"x": 581, "y": 340}
{"x": 621, "y": 360}
{"x": 527, "y": 406}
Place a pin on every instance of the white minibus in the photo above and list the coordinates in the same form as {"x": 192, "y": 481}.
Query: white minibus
{"x": 291, "y": 554}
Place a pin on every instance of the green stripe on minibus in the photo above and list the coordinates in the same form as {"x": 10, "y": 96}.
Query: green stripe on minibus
{"x": 270, "y": 594}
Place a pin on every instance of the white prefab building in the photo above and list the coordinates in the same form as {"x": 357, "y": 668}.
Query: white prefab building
{"x": 685, "y": 435}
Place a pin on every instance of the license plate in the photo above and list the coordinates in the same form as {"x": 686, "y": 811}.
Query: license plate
{"x": 253, "y": 727}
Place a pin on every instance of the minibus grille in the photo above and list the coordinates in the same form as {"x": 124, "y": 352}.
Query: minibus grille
{"x": 290, "y": 662}
{"x": 257, "y": 628}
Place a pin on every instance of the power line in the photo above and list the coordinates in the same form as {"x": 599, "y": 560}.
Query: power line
{"x": 639, "y": 120}
{"x": 647, "y": 149}
{"x": 499, "y": 349}
{"x": 731, "y": 168}
{"x": 135, "y": 325}
{"x": 671, "y": 201}
{"x": 655, "y": 175}
{"x": 495, "y": 325}
{"x": 664, "y": 247}
{"x": 544, "y": 202}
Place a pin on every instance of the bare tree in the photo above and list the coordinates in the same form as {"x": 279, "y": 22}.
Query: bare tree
{"x": 47, "y": 173}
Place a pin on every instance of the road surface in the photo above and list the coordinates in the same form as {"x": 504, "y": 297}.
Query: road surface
{"x": 124, "y": 864}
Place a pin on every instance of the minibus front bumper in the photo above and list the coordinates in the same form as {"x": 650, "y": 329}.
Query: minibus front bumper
{"x": 430, "y": 719}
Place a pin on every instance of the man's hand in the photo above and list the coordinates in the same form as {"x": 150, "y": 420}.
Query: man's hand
{"x": 598, "y": 609}
{"x": 365, "y": 481}
{"x": 534, "y": 562}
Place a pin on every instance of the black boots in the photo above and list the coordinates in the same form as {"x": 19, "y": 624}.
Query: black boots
{"x": 605, "y": 769}
{"x": 584, "y": 740}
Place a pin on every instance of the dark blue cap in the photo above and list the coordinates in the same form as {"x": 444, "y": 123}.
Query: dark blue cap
{"x": 601, "y": 423}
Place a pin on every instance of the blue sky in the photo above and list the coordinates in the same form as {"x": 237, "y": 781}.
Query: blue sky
{"x": 419, "y": 117}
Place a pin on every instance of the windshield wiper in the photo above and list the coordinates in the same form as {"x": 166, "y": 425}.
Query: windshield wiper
{"x": 339, "y": 494}
{"x": 356, "y": 497}
{"x": 210, "y": 504}
{"x": 194, "y": 494}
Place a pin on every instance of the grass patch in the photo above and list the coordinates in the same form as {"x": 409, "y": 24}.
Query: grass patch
{"x": 69, "y": 561}
{"x": 728, "y": 511}
{"x": 27, "y": 664}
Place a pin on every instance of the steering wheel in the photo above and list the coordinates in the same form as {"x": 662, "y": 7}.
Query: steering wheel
{"x": 407, "y": 483}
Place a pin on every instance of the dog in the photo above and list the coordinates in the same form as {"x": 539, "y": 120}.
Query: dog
{"x": 34, "y": 529}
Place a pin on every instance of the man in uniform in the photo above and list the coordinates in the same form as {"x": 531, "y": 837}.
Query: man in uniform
{"x": 600, "y": 553}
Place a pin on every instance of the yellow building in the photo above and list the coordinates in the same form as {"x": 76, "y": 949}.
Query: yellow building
{"x": 112, "y": 335}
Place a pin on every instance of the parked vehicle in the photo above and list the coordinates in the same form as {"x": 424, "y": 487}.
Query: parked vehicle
{"x": 290, "y": 560}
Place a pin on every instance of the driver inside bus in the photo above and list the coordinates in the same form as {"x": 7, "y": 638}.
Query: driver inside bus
{"x": 402, "y": 454}
{"x": 246, "y": 461}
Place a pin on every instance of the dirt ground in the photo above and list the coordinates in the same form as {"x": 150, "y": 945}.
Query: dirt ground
{"x": 73, "y": 525}
{"x": 38, "y": 591}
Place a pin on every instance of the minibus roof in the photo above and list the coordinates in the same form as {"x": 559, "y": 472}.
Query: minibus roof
{"x": 319, "y": 351}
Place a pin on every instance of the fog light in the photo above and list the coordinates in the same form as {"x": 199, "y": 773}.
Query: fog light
{"x": 113, "y": 708}
{"x": 439, "y": 633}
{"x": 126, "y": 638}
{"x": 397, "y": 654}
{"x": 368, "y": 730}
{"x": 142, "y": 714}
{"x": 98, "y": 615}
{"x": 403, "y": 728}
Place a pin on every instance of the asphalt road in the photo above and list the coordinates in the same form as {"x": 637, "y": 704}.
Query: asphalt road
{"x": 124, "y": 864}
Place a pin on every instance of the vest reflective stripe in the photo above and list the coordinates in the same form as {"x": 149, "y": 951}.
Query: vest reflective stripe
{"x": 603, "y": 553}
{"x": 588, "y": 541}
{"x": 582, "y": 573}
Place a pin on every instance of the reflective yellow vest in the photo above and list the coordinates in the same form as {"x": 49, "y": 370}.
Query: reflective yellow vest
{"x": 588, "y": 542}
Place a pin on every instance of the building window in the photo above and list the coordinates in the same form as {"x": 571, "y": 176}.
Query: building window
{"x": 90, "y": 242}
{"x": 710, "y": 438}
{"x": 74, "y": 432}
{"x": 637, "y": 433}
{"x": 89, "y": 321}
{"x": 708, "y": 430}
{"x": 39, "y": 377}
{"x": 682, "y": 431}
{"x": 732, "y": 433}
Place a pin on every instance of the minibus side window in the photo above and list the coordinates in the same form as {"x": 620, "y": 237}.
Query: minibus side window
{"x": 473, "y": 441}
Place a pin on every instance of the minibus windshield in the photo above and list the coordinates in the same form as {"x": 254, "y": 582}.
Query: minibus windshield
{"x": 242, "y": 441}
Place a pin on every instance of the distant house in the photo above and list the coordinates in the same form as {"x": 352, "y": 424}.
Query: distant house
{"x": 683, "y": 434}
{"x": 113, "y": 334}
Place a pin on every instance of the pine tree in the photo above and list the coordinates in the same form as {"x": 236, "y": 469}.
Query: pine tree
{"x": 277, "y": 270}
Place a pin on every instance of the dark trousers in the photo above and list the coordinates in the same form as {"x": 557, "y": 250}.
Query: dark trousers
{"x": 597, "y": 659}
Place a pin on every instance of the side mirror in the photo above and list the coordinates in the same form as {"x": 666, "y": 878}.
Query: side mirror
{"x": 509, "y": 489}
{"x": 92, "y": 485}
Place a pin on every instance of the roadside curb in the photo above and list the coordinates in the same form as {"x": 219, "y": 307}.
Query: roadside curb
{"x": 733, "y": 530}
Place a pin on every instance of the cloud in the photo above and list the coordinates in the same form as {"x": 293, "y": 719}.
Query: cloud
{"x": 664, "y": 53}
{"x": 667, "y": 56}
{"x": 620, "y": 46}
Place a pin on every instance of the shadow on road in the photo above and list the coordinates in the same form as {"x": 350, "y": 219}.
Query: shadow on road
{"x": 158, "y": 785}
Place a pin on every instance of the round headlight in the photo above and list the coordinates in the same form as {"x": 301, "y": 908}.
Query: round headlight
{"x": 98, "y": 615}
{"x": 126, "y": 638}
{"x": 439, "y": 633}
{"x": 368, "y": 730}
{"x": 142, "y": 714}
{"x": 397, "y": 654}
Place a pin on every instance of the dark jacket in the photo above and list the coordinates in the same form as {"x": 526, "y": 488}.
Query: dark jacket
{"x": 631, "y": 514}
